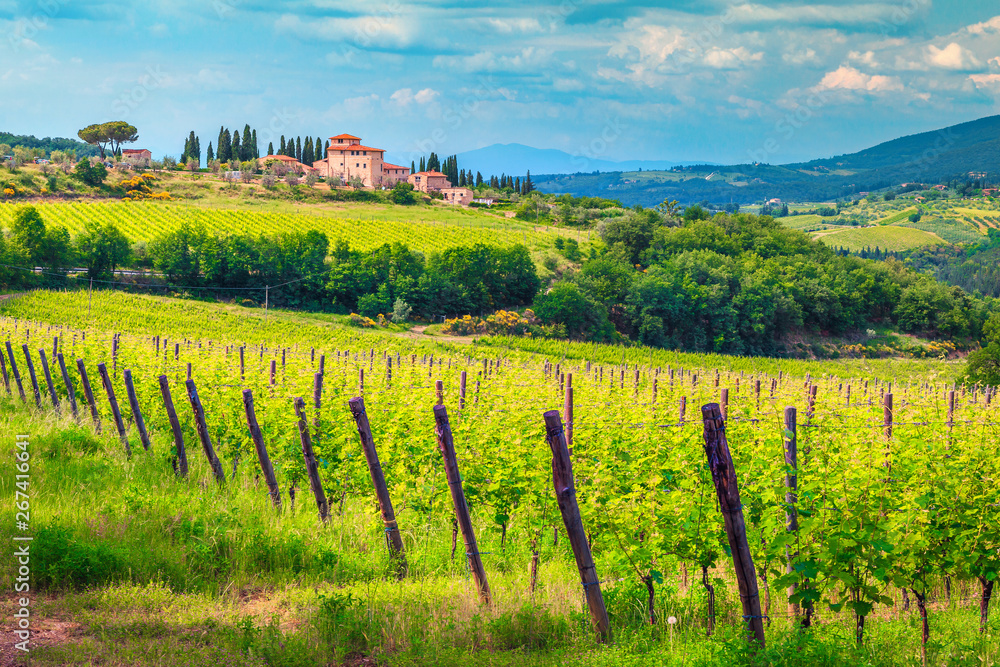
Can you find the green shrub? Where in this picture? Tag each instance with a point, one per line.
(60, 560)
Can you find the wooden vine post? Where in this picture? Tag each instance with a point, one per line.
(203, 435)
(562, 480)
(116, 413)
(133, 401)
(88, 394)
(446, 446)
(15, 373)
(720, 462)
(312, 468)
(31, 374)
(258, 443)
(3, 369)
(70, 390)
(48, 380)
(175, 427)
(791, 496)
(568, 411)
(395, 540)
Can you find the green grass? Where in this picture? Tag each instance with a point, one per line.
(886, 238)
(140, 569)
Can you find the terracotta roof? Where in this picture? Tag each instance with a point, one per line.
(430, 174)
(345, 136)
(126, 151)
(283, 158)
(355, 147)
(386, 165)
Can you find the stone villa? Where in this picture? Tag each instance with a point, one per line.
(347, 157)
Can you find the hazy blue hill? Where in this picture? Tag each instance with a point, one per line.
(928, 157)
(516, 159)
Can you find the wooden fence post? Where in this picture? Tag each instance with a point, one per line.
(6, 378)
(175, 426)
(31, 374)
(312, 468)
(203, 434)
(395, 540)
(461, 391)
(446, 446)
(568, 411)
(887, 424)
(115, 411)
(48, 380)
(89, 395)
(70, 390)
(720, 461)
(562, 479)
(439, 392)
(791, 495)
(258, 443)
(133, 402)
(317, 400)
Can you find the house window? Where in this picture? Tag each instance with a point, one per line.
(357, 164)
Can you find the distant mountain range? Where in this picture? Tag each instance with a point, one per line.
(953, 153)
(518, 159)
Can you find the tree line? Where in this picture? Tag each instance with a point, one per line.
(738, 284)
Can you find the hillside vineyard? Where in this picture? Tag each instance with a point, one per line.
(891, 498)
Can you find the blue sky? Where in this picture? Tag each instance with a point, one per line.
(685, 80)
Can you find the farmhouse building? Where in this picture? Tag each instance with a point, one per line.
(429, 181)
(289, 162)
(137, 154)
(460, 196)
(347, 158)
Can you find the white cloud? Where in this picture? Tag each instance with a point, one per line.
(804, 57)
(512, 25)
(989, 82)
(993, 25)
(731, 58)
(528, 59)
(848, 78)
(817, 14)
(404, 97)
(362, 32)
(954, 57)
(866, 58)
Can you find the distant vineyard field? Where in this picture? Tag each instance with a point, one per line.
(886, 238)
(363, 227)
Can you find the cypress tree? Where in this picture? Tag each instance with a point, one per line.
(256, 146)
(282, 150)
(187, 149)
(326, 147)
(298, 150)
(517, 184)
(317, 155)
(307, 152)
(226, 147)
(211, 154)
(270, 148)
(423, 164)
(528, 185)
(413, 167)
(236, 152)
(219, 143)
(246, 153)
(195, 149)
